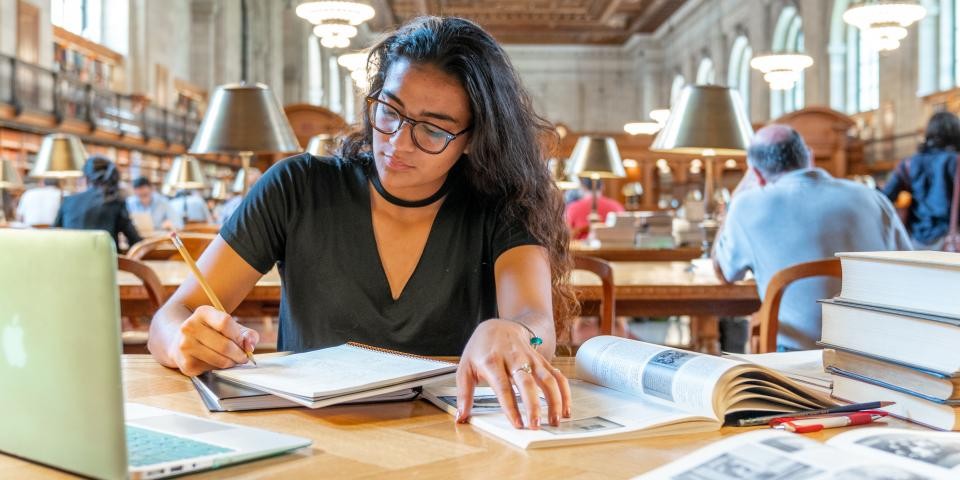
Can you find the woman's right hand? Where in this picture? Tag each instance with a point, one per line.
(210, 339)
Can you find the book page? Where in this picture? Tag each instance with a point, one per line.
(333, 371)
(678, 378)
(773, 454)
(598, 414)
(804, 366)
(933, 454)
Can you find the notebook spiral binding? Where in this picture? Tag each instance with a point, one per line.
(395, 352)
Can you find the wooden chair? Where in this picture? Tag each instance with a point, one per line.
(769, 315)
(201, 228)
(161, 247)
(135, 341)
(603, 270)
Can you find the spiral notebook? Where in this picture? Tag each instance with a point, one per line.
(345, 373)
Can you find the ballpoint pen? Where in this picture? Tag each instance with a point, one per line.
(188, 259)
(854, 407)
(815, 424)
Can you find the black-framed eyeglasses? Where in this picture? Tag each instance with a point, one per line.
(426, 136)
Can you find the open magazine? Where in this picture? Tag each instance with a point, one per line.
(869, 453)
(631, 389)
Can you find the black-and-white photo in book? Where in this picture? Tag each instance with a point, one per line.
(868, 453)
(631, 389)
(340, 374)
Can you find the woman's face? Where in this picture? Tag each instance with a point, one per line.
(425, 94)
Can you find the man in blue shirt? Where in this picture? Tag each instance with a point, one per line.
(786, 211)
(147, 201)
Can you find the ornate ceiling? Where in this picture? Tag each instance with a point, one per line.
(609, 22)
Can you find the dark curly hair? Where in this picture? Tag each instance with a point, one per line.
(508, 152)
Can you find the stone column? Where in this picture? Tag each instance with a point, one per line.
(202, 49)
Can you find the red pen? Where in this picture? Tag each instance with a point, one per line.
(815, 424)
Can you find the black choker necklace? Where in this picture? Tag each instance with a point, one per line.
(374, 177)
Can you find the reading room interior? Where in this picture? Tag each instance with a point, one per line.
(690, 239)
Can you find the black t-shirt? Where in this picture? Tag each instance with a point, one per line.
(311, 216)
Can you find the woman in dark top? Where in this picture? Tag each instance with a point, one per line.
(100, 207)
(437, 230)
(928, 176)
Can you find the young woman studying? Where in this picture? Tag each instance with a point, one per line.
(437, 230)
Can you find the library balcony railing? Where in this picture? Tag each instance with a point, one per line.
(29, 87)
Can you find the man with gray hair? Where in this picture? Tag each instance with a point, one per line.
(786, 211)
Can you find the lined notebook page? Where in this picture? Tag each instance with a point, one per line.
(335, 371)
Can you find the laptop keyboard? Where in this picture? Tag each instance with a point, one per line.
(147, 447)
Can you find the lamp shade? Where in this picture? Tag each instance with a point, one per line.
(61, 155)
(184, 174)
(9, 178)
(244, 118)
(219, 190)
(241, 181)
(596, 157)
(321, 145)
(706, 120)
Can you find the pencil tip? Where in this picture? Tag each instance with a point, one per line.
(886, 404)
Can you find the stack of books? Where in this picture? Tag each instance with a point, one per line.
(644, 229)
(892, 334)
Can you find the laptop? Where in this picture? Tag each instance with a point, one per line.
(62, 396)
(143, 222)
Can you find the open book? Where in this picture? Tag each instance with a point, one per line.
(631, 389)
(339, 374)
(864, 453)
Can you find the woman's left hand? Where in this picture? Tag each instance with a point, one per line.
(499, 353)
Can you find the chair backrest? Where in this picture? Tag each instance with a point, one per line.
(161, 247)
(603, 270)
(146, 275)
(201, 228)
(769, 314)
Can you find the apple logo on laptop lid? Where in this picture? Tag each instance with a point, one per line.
(12, 341)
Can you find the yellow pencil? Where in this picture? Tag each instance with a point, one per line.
(202, 281)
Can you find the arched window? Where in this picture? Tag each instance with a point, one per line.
(676, 87)
(83, 17)
(738, 74)
(314, 71)
(706, 74)
(335, 100)
(788, 37)
(854, 66)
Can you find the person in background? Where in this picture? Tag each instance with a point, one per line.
(928, 177)
(146, 200)
(253, 174)
(436, 230)
(578, 211)
(100, 207)
(191, 207)
(785, 211)
(39, 205)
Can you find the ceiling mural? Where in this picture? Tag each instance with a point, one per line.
(598, 22)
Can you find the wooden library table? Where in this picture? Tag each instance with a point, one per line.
(642, 289)
(396, 440)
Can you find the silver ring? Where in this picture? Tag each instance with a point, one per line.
(525, 368)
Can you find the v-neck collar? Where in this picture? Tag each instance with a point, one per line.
(371, 238)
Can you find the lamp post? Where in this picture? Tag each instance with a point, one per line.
(185, 174)
(707, 120)
(596, 158)
(244, 119)
(9, 180)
